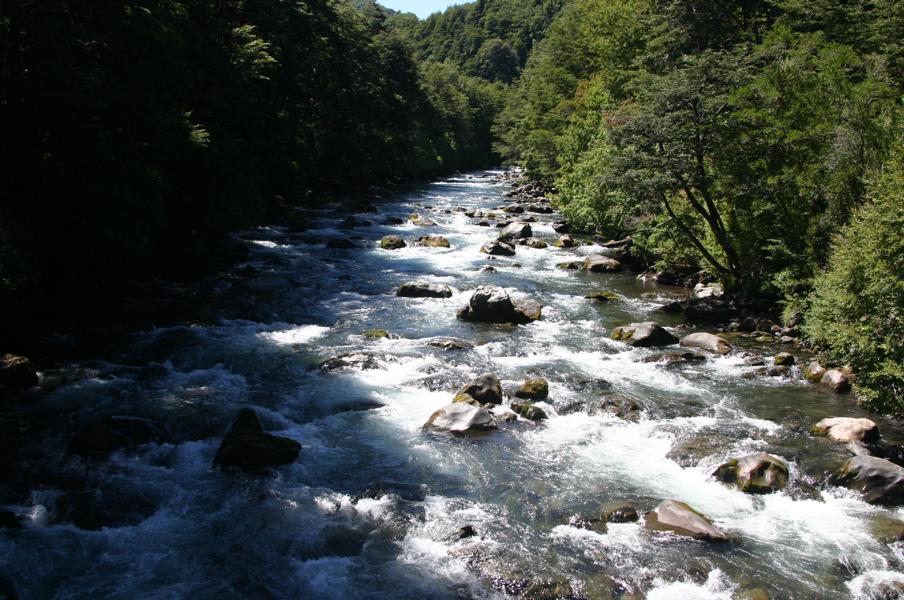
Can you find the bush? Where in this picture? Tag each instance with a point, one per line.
(856, 312)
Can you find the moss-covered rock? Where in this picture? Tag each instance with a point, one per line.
(392, 242)
(535, 388)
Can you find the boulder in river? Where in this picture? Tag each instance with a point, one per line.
(847, 429)
(561, 227)
(598, 263)
(416, 219)
(814, 372)
(837, 380)
(879, 481)
(566, 241)
(432, 241)
(783, 359)
(758, 473)
(516, 231)
(706, 341)
(644, 335)
(424, 290)
(116, 432)
(535, 388)
(543, 209)
(679, 518)
(535, 243)
(498, 248)
(17, 372)
(515, 209)
(620, 513)
(486, 389)
(528, 411)
(572, 265)
(377, 334)
(354, 360)
(247, 446)
(494, 305)
(461, 418)
(392, 242)
(603, 297)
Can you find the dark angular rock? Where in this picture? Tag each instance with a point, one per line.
(247, 446)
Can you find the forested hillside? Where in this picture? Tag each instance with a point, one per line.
(137, 132)
(741, 138)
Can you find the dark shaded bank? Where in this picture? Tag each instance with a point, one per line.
(137, 135)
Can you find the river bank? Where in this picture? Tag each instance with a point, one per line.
(308, 329)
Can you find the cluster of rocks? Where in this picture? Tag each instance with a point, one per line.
(396, 242)
(471, 409)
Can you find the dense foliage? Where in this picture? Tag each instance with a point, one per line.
(733, 136)
(136, 131)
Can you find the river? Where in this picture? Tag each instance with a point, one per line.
(372, 506)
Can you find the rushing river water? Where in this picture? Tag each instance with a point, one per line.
(371, 507)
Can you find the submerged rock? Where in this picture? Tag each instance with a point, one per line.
(486, 389)
(603, 297)
(878, 480)
(536, 388)
(706, 341)
(424, 290)
(620, 513)
(247, 446)
(679, 518)
(392, 242)
(433, 241)
(644, 335)
(354, 360)
(461, 418)
(498, 248)
(450, 343)
(528, 411)
(494, 305)
(115, 433)
(17, 372)
(601, 264)
(758, 473)
(847, 429)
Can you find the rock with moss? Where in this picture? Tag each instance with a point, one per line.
(603, 297)
(376, 334)
(644, 335)
(566, 241)
(535, 243)
(432, 241)
(392, 242)
(879, 481)
(572, 265)
(783, 359)
(486, 389)
(535, 388)
(679, 518)
(758, 473)
(528, 411)
(847, 429)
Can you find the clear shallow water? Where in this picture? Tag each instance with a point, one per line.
(370, 508)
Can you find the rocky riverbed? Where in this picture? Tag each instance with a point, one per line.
(442, 392)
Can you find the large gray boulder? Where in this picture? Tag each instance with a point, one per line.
(644, 335)
(516, 231)
(706, 341)
(758, 473)
(679, 518)
(247, 446)
(601, 264)
(494, 305)
(878, 480)
(424, 290)
(847, 429)
(486, 389)
(461, 418)
(498, 248)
